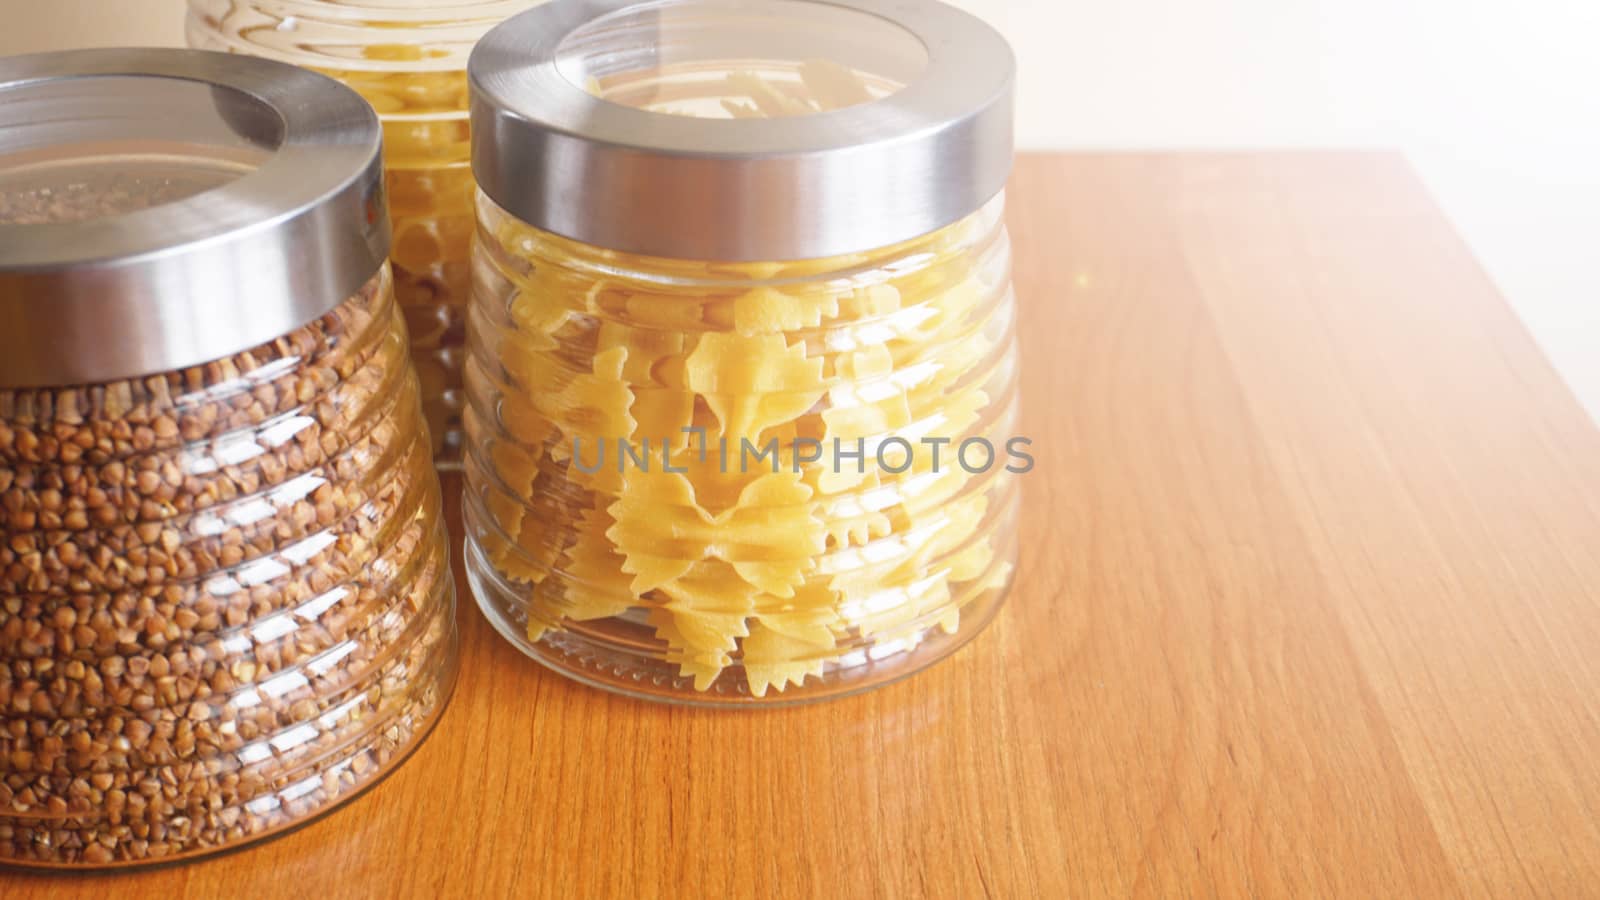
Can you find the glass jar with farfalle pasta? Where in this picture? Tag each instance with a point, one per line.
(741, 414)
(408, 58)
(225, 593)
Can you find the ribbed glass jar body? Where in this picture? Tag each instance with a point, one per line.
(408, 58)
(741, 483)
(225, 595)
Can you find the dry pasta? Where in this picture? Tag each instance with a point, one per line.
(427, 159)
(777, 574)
(762, 575)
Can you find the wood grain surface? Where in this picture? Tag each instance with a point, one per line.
(1309, 604)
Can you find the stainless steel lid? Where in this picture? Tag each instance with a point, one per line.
(163, 208)
(742, 129)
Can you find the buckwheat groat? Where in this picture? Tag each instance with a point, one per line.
(203, 652)
(226, 603)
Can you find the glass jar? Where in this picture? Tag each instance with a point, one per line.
(225, 596)
(740, 411)
(408, 58)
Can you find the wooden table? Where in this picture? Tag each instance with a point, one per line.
(1309, 601)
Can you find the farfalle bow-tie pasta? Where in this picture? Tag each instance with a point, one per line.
(745, 478)
(690, 451)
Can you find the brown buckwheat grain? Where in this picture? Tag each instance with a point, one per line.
(225, 600)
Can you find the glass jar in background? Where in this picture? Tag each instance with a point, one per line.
(225, 595)
(408, 58)
(728, 404)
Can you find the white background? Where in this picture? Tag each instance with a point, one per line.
(1496, 102)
